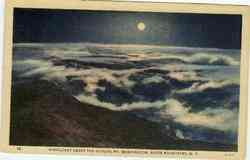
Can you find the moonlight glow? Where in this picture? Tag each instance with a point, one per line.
(141, 26)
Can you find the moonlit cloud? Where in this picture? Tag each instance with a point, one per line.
(179, 134)
(199, 87)
(124, 107)
(220, 119)
(184, 76)
(205, 58)
(90, 76)
(154, 79)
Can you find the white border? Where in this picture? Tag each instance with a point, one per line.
(4, 156)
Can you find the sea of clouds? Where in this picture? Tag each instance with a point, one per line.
(149, 81)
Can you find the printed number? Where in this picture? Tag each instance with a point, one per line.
(229, 154)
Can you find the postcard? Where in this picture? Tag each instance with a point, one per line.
(137, 79)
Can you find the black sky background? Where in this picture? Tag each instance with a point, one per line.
(174, 29)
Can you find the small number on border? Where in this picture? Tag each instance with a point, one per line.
(229, 154)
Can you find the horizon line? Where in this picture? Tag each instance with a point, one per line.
(128, 44)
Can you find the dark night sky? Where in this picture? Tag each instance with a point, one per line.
(195, 30)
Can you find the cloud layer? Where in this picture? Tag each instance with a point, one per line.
(139, 79)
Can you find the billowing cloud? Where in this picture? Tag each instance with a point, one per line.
(220, 119)
(205, 58)
(179, 134)
(154, 79)
(124, 107)
(199, 87)
(184, 76)
(90, 76)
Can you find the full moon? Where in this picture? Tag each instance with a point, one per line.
(141, 26)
